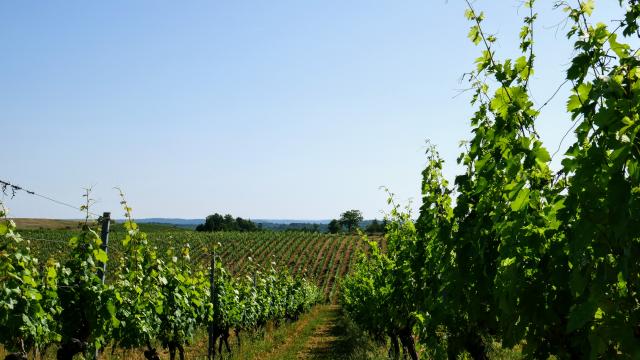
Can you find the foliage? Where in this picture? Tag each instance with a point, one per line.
(600, 216)
(138, 288)
(380, 294)
(334, 226)
(376, 227)
(88, 305)
(351, 219)
(526, 257)
(217, 222)
(184, 293)
(27, 296)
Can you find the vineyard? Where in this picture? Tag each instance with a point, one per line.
(322, 258)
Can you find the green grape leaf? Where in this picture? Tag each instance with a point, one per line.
(100, 255)
(580, 315)
(521, 200)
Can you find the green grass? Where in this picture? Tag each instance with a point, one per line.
(284, 342)
(325, 335)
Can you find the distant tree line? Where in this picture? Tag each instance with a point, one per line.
(376, 227)
(217, 222)
(351, 220)
(303, 227)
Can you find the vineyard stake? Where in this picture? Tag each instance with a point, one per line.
(212, 344)
(104, 235)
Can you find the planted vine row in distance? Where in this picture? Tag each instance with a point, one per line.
(321, 258)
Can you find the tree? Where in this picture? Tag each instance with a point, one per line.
(229, 223)
(245, 225)
(217, 222)
(377, 227)
(351, 219)
(212, 223)
(334, 226)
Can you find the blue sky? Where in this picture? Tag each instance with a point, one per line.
(263, 109)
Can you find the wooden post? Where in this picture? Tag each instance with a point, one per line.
(212, 343)
(104, 235)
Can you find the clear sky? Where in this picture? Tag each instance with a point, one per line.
(263, 109)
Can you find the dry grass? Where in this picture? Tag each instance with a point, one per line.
(47, 224)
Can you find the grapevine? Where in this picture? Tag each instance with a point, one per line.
(526, 257)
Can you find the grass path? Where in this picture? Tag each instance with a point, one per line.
(324, 342)
(320, 335)
(297, 338)
(308, 338)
